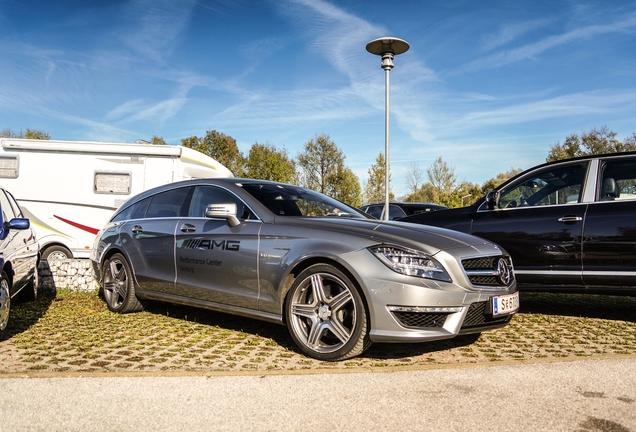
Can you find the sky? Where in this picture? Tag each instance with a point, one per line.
(487, 86)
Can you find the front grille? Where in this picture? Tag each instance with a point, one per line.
(488, 271)
(421, 319)
(478, 315)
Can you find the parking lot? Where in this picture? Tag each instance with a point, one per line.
(71, 333)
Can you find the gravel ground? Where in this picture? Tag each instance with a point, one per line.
(74, 333)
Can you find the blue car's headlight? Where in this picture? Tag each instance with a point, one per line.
(410, 263)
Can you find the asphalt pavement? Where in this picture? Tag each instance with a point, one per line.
(581, 395)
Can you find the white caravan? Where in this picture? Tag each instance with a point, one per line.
(70, 189)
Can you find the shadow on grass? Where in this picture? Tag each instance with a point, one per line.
(619, 308)
(25, 314)
(280, 334)
(277, 333)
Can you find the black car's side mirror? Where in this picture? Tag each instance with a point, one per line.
(492, 200)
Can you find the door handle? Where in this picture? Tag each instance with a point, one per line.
(188, 228)
(137, 229)
(570, 219)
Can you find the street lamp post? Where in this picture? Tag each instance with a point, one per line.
(388, 48)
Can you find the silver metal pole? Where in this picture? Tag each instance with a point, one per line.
(386, 144)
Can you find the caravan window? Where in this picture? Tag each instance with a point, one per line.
(112, 183)
(9, 166)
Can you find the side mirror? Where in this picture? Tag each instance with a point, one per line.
(18, 224)
(492, 199)
(225, 211)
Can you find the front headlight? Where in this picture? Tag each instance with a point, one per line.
(410, 263)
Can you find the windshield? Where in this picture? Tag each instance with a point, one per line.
(287, 200)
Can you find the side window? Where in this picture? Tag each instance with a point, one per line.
(135, 211)
(14, 205)
(7, 211)
(617, 180)
(395, 212)
(205, 195)
(375, 211)
(170, 203)
(552, 186)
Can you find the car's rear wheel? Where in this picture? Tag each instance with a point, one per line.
(5, 304)
(326, 315)
(118, 286)
(30, 291)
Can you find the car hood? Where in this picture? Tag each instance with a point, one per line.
(424, 238)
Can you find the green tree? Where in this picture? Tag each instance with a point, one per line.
(346, 186)
(157, 140)
(491, 184)
(596, 141)
(443, 179)
(266, 162)
(221, 147)
(374, 187)
(29, 134)
(322, 168)
(424, 193)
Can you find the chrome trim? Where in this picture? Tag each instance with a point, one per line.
(591, 182)
(443, 309)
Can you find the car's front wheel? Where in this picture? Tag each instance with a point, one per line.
(326, 315)
(5, 304)
(118, 286)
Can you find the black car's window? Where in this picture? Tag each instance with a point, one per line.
(375, 211)
(171, 203)
(551, 186)
(205, 195)
(618, 180)
(135, 211)
(396, 212)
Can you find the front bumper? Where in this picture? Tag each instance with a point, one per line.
(412, 309)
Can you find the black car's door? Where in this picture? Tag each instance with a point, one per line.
(609, 246)
(539, 221)
(214, 261)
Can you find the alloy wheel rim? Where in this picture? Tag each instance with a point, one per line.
(323, 313)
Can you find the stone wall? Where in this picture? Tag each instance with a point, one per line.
(71, 274)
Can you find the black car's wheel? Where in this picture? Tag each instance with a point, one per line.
(326, 315)
(118, 286)
(5, 304)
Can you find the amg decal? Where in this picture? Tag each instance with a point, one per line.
(228, 245)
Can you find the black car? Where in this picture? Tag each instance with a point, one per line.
(569, 225)
(400, 209)
(19, 256)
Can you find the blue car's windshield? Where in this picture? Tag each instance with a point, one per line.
(286, 200)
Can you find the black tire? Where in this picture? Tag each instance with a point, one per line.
(30, 291)
(118, 286)
(326, 315)
(5, 305)
(56, 252)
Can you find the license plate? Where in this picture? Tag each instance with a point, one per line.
(506, 304)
